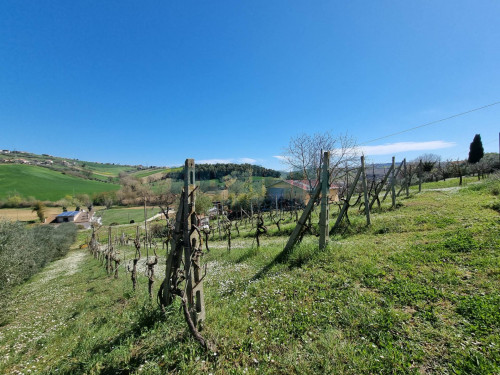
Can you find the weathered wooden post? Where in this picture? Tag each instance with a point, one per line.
(294, 237)
(407, 181)
(218, 219)
(365, 190)
(187, 244)
(108, 253)
(145, 226)
(192, 269)
(420, 176)
(393, 182)
(324, 214)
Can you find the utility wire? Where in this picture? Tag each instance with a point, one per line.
(431, 123)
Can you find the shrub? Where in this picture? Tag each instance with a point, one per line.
(24, 251)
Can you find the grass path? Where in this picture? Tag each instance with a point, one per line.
(39, 312)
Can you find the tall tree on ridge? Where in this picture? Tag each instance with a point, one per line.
(476, 151)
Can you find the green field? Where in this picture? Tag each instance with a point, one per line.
(149, 172)
(45, 184)
(417, 292)
(110, 170)
(450, 182)
(124, 215)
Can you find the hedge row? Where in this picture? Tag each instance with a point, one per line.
(25, 250)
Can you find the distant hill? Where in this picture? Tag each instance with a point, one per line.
(110, 172)
(79, 168)
(45, 184)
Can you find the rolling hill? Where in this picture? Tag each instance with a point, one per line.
(45, 184)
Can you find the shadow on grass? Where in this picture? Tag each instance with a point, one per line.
(247, 255)
(296, 257)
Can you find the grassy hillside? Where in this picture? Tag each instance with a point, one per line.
(149, 172)
(417, 292)
(45, 184)
(86, 169)
(112, 170)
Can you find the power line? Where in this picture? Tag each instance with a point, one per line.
(431, 123)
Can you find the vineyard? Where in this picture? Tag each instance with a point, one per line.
(414, 291)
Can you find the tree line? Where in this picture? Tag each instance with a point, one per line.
(218, 171)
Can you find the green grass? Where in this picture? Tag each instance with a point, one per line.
(108, 170)
(149, 172)
(124, 215)
(45, 184)
(450, 182)
(417, 292)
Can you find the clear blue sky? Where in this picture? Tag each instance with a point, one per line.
(153, 83)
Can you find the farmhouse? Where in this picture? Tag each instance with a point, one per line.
(297, 190)
(69, 216)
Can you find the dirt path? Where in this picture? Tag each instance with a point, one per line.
(452, 189)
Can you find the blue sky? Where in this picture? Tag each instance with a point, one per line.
(156, 82)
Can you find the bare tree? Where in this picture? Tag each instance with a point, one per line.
(304, 154)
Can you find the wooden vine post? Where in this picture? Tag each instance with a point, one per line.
(420, 176)
(392, 187)
(294, 237)
(192, 247)
(407, 180)
(109, 267)
(186, 245)
(324, 214)
(393, 183)
(365, 190)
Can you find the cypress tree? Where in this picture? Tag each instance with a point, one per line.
(476, 151)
